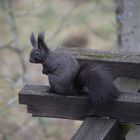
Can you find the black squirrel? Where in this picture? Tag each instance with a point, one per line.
(67, 77)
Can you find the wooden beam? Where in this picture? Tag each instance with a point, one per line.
(98, 129)
(119, 63)
(92, 54)
(42, 104)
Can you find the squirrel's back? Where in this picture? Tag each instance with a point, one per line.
(64, 63)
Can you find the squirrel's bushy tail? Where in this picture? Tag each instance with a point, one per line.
(98, 82)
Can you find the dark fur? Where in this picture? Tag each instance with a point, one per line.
(67, 77)
(99, 83)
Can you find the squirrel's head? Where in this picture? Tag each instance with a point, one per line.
(40, 50)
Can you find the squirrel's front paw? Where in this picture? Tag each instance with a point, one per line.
(43, 71)
(50, 90)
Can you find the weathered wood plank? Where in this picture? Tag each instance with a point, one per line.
(119, 63)
(40, 103)
(98, 129)
(92, 54)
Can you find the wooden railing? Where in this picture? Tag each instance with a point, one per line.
(108, 123)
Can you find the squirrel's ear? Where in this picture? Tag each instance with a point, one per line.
(41, 42)
(33, 40)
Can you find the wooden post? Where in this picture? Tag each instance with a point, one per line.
(128, 18)
(98, 129)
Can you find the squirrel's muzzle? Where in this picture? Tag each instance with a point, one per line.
(31, 60)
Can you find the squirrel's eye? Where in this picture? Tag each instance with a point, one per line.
(37, 53)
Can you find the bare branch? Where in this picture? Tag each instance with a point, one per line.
(7, 45)
(43, 128)
(35, 11)
(12, 25)
(63, 20)
(10, 47)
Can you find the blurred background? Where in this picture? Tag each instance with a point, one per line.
(67, 23)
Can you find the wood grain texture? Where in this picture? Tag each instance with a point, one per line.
(92, 54)
(98, 129)
(40, 103)
(119, 63)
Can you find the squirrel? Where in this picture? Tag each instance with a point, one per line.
(67, 77)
